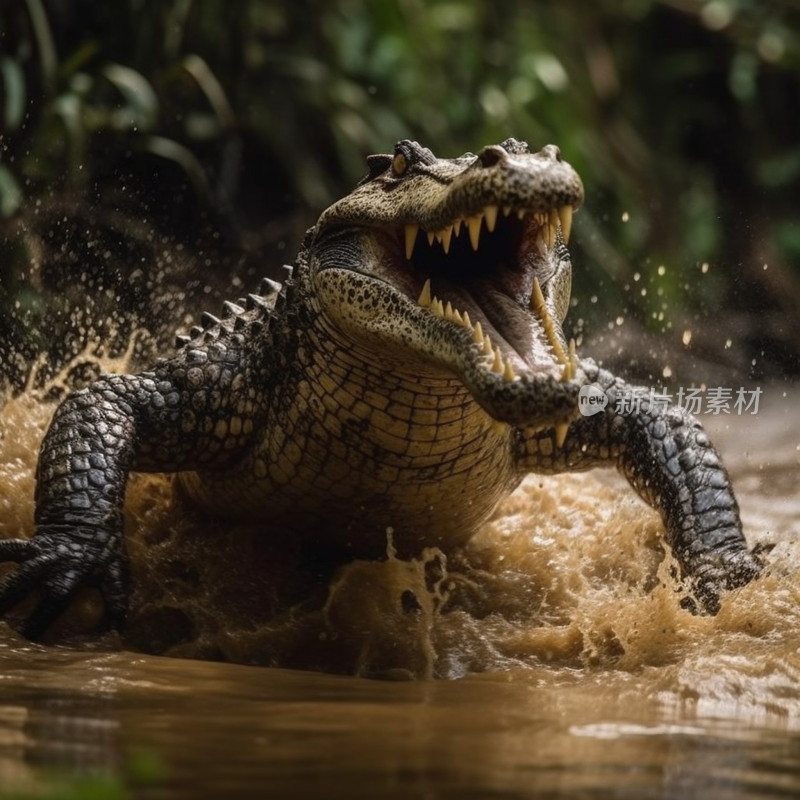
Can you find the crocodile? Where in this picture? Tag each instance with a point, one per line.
(409, 371)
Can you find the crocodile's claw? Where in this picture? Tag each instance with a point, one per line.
(56, 565)
(734, 570)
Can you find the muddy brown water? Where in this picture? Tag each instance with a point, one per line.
(551, 659)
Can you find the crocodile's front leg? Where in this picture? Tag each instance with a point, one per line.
(668, 458)
(177, 417)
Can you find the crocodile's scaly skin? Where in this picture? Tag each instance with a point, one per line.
(407, 374)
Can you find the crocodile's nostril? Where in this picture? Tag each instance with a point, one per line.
(552, 151)
(491, 155)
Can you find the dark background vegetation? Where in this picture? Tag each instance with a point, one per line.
(157, 156)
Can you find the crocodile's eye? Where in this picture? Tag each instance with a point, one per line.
(399, 164)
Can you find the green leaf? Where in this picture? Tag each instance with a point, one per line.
(14, 93)
(141, 100)
(48, 59)
(10, 193)
(211, 88)
(171, 150)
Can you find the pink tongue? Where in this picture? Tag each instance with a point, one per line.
(517, 331)
(520, 329)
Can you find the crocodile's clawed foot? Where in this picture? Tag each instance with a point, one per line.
(762, 549)
(709, 583)
(55, 567)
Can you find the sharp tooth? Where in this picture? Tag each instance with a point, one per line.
(497, 364)
(439, 308)
(538, 305)
(446, 234)
(458, 318)
(561, 433)
(474, 224)
(550, 330)
(411, 238)
(448, 311)
(573, 360)
(506, 210)
(424, 298)
(431, 236)
(457, 226)
(477, 333)
(488, 348)
(537, 298)
(491, 217)
(508, 372)
(467, 321)
(565, 215)
(552, 228)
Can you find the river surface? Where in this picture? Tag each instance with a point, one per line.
(551, 659)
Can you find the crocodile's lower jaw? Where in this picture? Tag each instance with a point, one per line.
(429, 336)
(536, 328)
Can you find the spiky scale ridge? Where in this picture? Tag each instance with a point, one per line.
(231, 310)
(269, 287)
(253, 301)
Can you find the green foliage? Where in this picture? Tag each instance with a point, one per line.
(144, 769)
(92, 788)
(679, 114)
(68, 121)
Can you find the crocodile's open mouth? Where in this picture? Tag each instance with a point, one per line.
(485, 273)
(461, 263)
(478, 295)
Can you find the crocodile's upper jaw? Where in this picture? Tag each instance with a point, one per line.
(461, 261)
